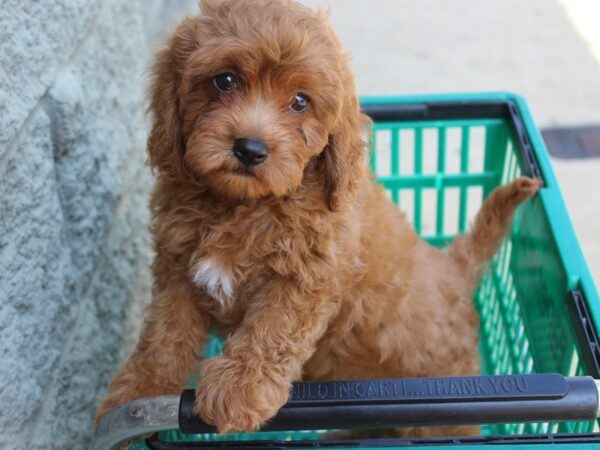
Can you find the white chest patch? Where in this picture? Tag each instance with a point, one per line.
(218, 283)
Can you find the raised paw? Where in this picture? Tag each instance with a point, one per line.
(522, 188)
(237, 398)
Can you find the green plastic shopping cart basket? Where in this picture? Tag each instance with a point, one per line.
(438, 157)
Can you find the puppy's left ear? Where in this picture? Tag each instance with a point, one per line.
(165, 142)
(344, 155)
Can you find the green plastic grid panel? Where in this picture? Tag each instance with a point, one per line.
(525, 326)
(414, 180)
(509, 299)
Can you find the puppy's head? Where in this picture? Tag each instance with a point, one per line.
(250, 94)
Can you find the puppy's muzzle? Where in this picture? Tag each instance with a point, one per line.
(250, 151)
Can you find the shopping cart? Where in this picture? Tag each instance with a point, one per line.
(438, 157)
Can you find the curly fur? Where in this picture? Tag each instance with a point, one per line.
(301, 263)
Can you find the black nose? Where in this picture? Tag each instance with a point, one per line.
(250, 151)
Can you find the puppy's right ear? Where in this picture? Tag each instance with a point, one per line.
(165, 142)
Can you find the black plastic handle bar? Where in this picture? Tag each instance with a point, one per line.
(424, 402)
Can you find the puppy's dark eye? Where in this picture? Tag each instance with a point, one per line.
(225, 82)
(300, 103)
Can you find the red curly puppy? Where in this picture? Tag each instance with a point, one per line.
(269, 227)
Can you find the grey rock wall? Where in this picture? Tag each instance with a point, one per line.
(74, 245)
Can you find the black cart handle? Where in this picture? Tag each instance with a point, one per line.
(423, 402)
(378, 403)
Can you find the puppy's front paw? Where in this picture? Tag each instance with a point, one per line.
(236, 398)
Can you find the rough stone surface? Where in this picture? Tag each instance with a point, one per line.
(74, 241)
(35, 283)
(38, 38)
